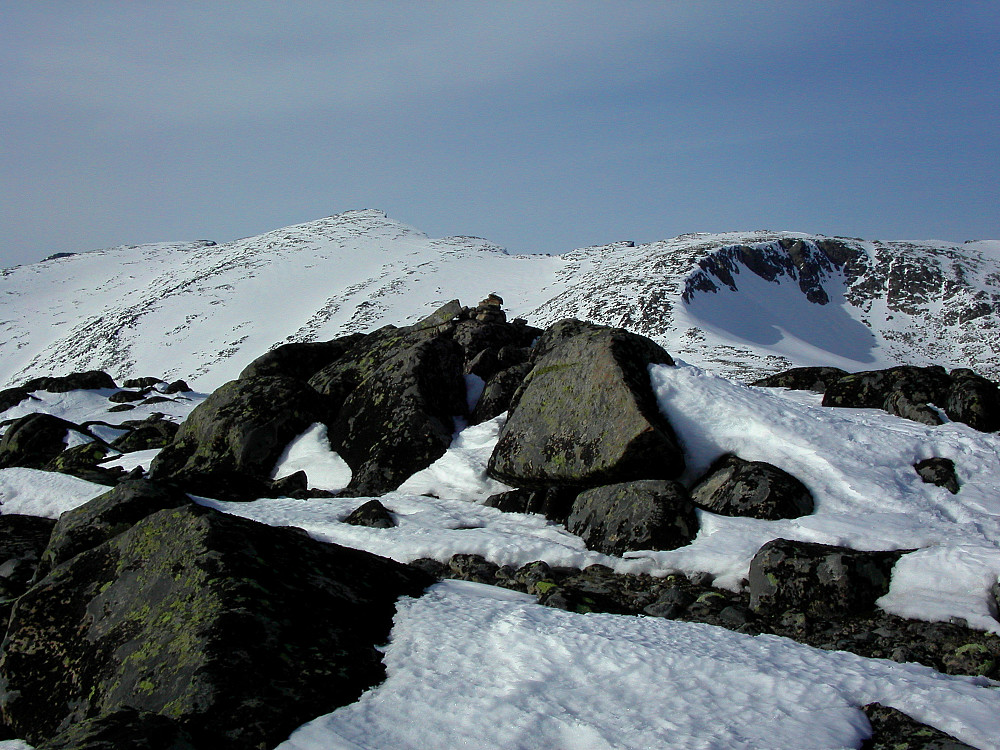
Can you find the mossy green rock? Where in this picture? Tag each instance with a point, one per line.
(229, 444)
(237, 631)
(586, 414)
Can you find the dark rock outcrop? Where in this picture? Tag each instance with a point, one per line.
(973, 400)
(229, 444)
(756, 489)
(77, 381)
(802, 379)
(300, 360)
(648, 514)
(499, 392)
(35, 439)
(871, 389)
(83, 461)
(586, 414)
(127, 728)
(894, 730)
(146, 434)
(23, 539)
(127, 397)
(818, 580)
(236, 631)
(372, 514)
(555, 503)
(140, 383)
(939, 471)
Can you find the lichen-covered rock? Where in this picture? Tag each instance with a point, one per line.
(871, 389)
(145, 434)
(973, 400)
(22, 541)
(127, 728)
(229, 444)
(894, 730)
(586, 414)
(802, 379)
(939, 471)
(300, 360)
(83, 461)
(648, 514)
(77, 381)
(899, 404)
(36, 439)
(107, 516)
(755, 489)
(819, 580)
(237, 631)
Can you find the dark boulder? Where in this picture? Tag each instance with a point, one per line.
(819, 580)
(126, 397)
(127, 728)
(145, 434)
(802, 379)
(35, 439)
(648, 514)
(499, 392)
(11, 397)
(140, 383)
(23, 539)
(940, 472)
(555, 503)
(236, 631)
(107, 516)
(83, 461)
(300, 360)
(177, 386)
(973, 400)
(586, 414)
(871, 389)
(900, 405)
(229, 444)
(372, 514)
(397, 417)
(77, 381)
(734, 487)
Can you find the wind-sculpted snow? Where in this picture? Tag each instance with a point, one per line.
(740, 304)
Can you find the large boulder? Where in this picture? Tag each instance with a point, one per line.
(145, 434)
(586, 414)
(499, 392)
(755, 489)
(36, 439)
(77, 381)
(236, 631)
(802, 378)
(818, 580)
(871, 389)
(940, 472)
(105, 517)
(973, 400)
(647, 514)
(83, 461)
(300, 360)
(229, 444)
(555, 503)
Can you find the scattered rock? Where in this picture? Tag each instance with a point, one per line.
(647, 514)
(145, 435)
(206, 619)
(177, 386)
(372, 514)
(586, 414)
(126, 397)
(802, 379)
(755, 489)
(83, 461)
(939, 471)
(819, 580)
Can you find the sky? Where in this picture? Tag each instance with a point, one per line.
(540, 126)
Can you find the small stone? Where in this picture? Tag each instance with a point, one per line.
(372, 514)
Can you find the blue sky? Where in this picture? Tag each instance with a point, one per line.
(542, 126)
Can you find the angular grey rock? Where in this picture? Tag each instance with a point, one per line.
(754, 489)
(206, 619)
(586, 414)
(819, 580)
(647, 514)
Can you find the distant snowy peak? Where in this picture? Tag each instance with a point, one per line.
(740, 304)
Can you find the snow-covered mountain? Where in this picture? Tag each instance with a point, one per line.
(739, 304)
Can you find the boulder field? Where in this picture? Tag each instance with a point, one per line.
(143, 619)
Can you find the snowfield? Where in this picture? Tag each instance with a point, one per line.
(474, 666)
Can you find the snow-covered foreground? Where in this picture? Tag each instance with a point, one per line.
(473, 666)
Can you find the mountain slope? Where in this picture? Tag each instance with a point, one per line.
(741, 304)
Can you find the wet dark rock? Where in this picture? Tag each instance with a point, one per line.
(802, 379)
(973, 400)
(23, 539)
(819, 580)
(107, 516)
(372, 514)
(126, 728)
(940, 472)
(586, 414)
(894, 730)
(555, 503)
(648, 514)
(755, 489)
(300, 360)
(206, 619)
(35, 439)
(77, 381)
(229, 444)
